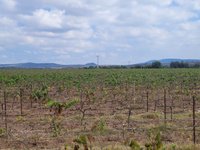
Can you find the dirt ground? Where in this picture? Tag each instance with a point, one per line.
(105, 119)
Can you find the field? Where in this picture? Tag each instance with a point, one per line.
(100, 109)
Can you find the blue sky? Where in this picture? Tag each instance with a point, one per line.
(119, 31)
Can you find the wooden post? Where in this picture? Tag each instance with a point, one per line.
(194, 120)
(5, 111)
(13, 101)
(165, 106)
(131, 105)
(123, 133)
(156, 101)
(21, 100)
(147, 101)
(155, 105)
(182, 97)
(2, 111)
(172, 105)
(171, 111)
(31, 100)
(129, 116)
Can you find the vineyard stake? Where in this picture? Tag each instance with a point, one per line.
(165, 108)
(172, 105)
(156, 100)
(5, 111)
(129, 116)
(155, 106)
(21, 102)
(31, 101)
(131, 107)
(171, 111)
(194, 120)
(2, 111)
(147, 101)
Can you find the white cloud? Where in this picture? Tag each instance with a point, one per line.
(52, 19)
(156, 2)
(6, 22)
(45, 19)
(9, 5)
(113, 28)
(192, 4)
(191, 26)
(78, 34)
(65, 3)
(76, 22)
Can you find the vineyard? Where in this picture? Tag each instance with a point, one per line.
(100, 109)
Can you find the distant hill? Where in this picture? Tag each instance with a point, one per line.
(31, 65)
(169, 60)
(166, 62)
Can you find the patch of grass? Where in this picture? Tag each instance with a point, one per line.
(100, 127)
(119, 117)
(150, 116)
(114, 147)
(20, 119)
(134, 145)
(56, 127)
(188, 147)
(154, 140)
(2, 132)
(182, 115)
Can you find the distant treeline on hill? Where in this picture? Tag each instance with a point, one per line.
(156, 64)
(176, 64)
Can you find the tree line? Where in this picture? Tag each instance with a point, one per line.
(176, 64)
(155, 64)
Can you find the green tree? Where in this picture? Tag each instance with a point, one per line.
(177, 64)
(156, 64)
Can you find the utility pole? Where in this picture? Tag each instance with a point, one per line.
(97, 61)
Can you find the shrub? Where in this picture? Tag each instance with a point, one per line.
(155, 142)
(99, 127)
(134, 145)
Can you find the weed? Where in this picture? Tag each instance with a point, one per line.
(66, 147)
(20, 119)
(154, 138)
(173, 147)
(56, 127)
(82, 140)
(99, 127)
(134, 145)
(2, 132)
(150, 116)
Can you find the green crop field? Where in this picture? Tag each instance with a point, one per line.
(152, 77)
(99, 108)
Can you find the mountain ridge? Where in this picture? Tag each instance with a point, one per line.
(31, 65)
(169, 60)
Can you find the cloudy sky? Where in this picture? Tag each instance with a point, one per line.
(119, 31)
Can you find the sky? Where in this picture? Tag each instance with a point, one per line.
(118, 31)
